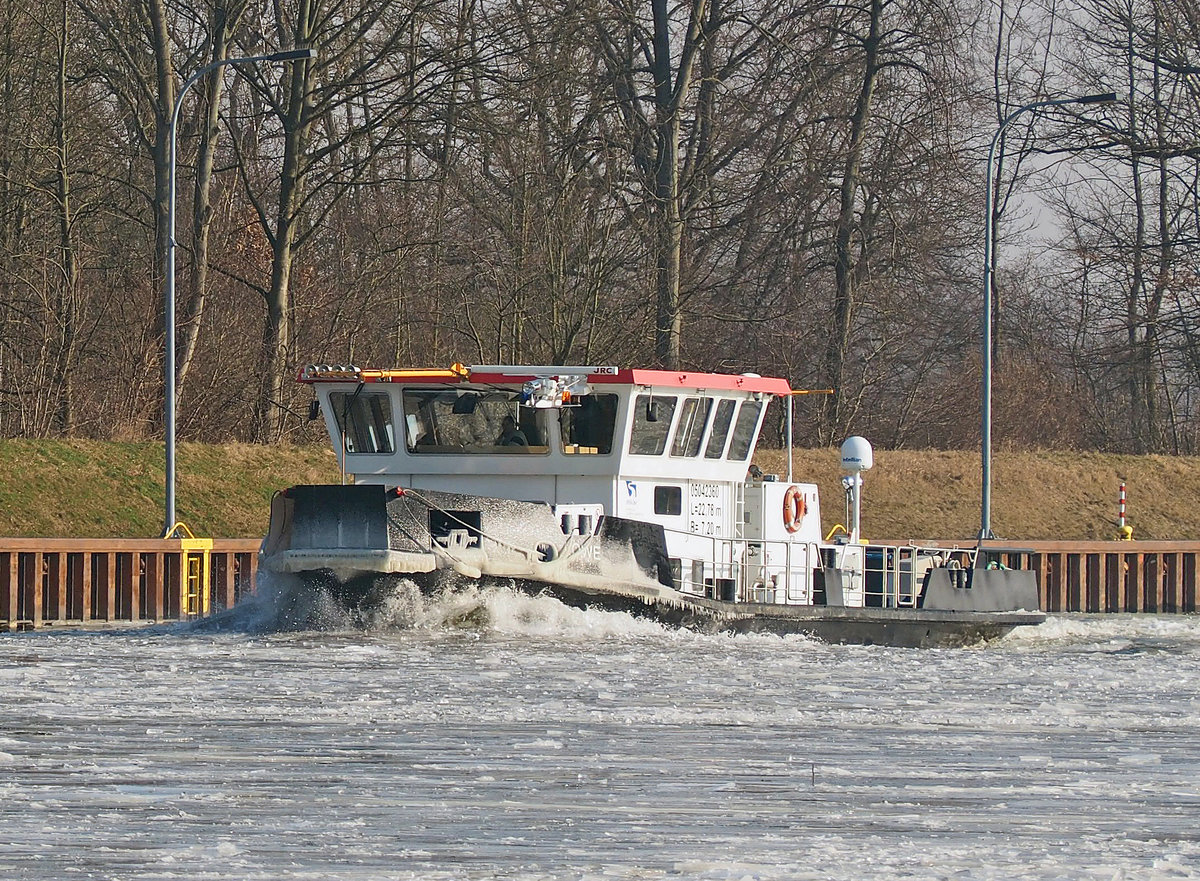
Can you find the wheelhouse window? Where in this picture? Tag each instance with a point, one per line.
(743, 430)
(589, 427)
(364, 420)
(668, 500)
(693, 417)
(720, 430)
(652, 417)
(462, 421)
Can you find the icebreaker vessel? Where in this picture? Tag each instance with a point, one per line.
(620, 487)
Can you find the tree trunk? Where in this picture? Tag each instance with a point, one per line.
(1140, 382)
(277, 331)
(164, 104)
(276, 341)
(67, 305)
(833, 411)
(1155, 435)
(670, 93)
(225, 17)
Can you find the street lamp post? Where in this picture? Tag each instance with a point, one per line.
(985, 521)
(170, 522)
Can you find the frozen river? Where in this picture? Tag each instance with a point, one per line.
(509, 737)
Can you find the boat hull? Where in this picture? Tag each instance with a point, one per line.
(904, 628)
(351, 544)
(305, 603)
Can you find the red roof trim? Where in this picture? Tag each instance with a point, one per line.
(723, 381)
(656, 378)
(608, 376)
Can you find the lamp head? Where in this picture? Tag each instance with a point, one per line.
(292, 55)
(1103, 98)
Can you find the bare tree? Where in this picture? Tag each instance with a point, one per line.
(326, 142)
(652, 67)
(912, 49)
(224, 20)
(41, 265)
(1139, 214)
(1025, 35)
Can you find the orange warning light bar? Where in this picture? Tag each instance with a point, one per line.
(350, 373)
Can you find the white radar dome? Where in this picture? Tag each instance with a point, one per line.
(857, 454)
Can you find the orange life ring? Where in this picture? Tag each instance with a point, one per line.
(794, 508)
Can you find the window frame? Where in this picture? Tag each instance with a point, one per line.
(688, 439)
(610, 406)
(752, 430)
(367, 421)
(426, 409)
(730, 405)
(668, 402)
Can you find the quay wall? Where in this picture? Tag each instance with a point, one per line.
(1109, 576)
(123, 582)
(105, 582)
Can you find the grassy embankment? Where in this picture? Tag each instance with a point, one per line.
(84, 488)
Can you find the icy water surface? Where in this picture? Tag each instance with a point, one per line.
(499, 736)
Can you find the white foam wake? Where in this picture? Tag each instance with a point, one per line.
(1109, 631)
(284, 603)
(462, 605)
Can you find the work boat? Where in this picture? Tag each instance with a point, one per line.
(612, 487)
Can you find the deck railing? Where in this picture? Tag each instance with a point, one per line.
(107, 582)
(1072, 576)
